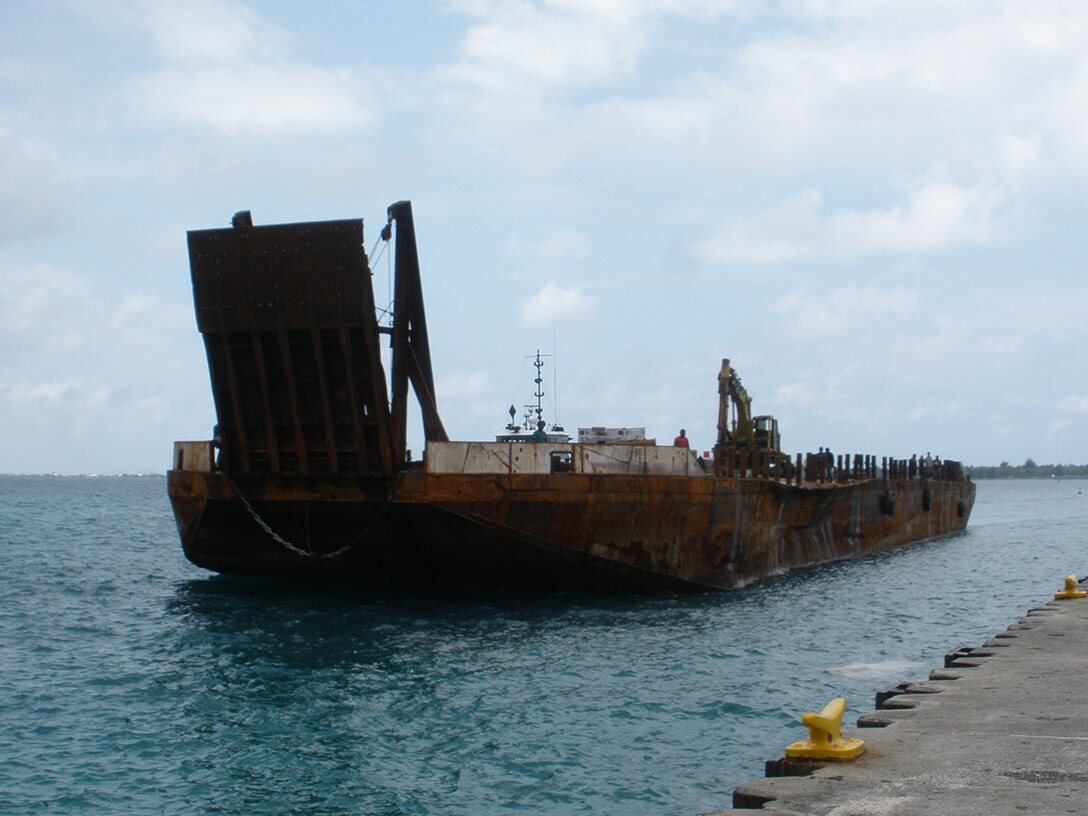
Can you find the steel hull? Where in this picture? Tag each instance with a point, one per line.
(550, 532)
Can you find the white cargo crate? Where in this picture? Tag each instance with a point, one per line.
(599, 434)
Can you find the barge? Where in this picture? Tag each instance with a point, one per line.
(308, 474)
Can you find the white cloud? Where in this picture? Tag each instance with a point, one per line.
(522, 46)
(257, 97)
(561, 245)
(1022, 159)
(933, 413)
(197, 31)
(555, 301)
(1070, 412)
(852, 90)
(87, 368)
(843, 312)
(525, 45)
(30, 297)
(1074, 404)
(226, 67)
(206, 30)
(56, 315)
(34, 198)
(70, 391)
(464, 385)
(936, 216)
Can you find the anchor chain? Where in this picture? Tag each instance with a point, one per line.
(306, 553)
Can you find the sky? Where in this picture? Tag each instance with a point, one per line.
(875, 210)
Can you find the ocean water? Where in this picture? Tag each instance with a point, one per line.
(133, 682)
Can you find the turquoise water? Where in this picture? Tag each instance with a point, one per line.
(133, 682)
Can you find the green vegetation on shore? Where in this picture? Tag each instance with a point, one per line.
(1028, 470)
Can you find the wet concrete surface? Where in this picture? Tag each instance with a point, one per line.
(1001, 729)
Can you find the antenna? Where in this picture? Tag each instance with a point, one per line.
(555, 369)
(539, 364)
(538, 409)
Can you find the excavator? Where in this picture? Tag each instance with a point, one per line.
(747, 431)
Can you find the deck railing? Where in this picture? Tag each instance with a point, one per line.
(819, 468)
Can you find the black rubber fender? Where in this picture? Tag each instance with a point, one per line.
(887, 504)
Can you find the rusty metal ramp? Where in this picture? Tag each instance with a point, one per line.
(289, 326)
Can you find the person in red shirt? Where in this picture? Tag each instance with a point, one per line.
(682, 440)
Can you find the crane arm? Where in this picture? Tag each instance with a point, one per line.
(732, 392)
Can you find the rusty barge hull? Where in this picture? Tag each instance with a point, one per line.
(541, 532)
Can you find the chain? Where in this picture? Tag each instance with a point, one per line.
(306, 553)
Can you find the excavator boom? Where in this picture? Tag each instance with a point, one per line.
(744, 432)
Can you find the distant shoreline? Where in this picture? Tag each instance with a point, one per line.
(1048, 478)
(1027, 471)
(151, 475)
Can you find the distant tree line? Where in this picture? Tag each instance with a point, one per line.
(1028, 470)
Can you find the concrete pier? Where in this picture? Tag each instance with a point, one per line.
(1002, 729)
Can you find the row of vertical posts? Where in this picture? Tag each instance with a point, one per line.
(917, 468)
(843, 468)
(758, 463)
(812, 467)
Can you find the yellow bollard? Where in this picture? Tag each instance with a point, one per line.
(825, 740)
(1070, 590)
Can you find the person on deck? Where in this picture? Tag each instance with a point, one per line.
(682, 440)
(540, 435)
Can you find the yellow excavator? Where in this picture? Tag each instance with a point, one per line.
(746, 431)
